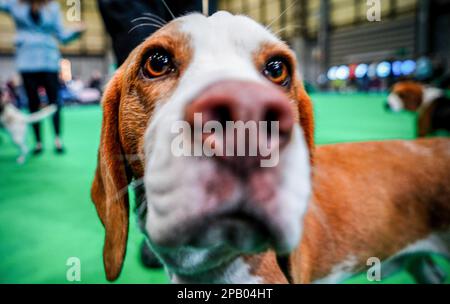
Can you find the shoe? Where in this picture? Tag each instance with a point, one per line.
(37, 150)
(60, 150)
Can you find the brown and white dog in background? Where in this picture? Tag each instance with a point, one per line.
(225, 220)
(430, 103)
(16, 123)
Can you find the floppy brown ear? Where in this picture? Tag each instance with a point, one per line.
(109, 190)
(306, 117)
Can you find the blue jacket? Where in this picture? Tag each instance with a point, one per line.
(37, 44)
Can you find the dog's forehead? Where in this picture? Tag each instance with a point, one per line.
(224, 32)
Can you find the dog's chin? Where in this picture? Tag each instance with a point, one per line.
(211, 242)
(237, 230)
(248, 217)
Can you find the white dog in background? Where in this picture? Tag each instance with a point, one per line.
(16, 123)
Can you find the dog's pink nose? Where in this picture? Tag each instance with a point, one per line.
(248, 113)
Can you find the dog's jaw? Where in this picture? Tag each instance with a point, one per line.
(175, 186)
(169, 213)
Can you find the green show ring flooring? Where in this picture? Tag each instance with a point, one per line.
(46, 215)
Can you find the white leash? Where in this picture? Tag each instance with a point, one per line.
(205, 7)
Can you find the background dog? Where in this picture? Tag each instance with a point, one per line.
(430, 103)
(16, 123)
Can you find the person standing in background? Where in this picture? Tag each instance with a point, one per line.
(39, 29)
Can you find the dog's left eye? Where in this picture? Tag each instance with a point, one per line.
(158, 63)
(277, 71)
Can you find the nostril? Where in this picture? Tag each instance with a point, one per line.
(277, 115)
(271, 115)
(243, 104)
(210, 109)
(220, 113)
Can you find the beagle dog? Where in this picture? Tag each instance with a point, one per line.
(226, 219)
(430, 103)
(16, 123)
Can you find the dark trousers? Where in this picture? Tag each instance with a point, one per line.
(32, 81)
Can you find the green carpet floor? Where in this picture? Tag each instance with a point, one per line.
(46, 215)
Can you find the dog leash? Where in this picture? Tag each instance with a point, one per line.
(205, 7)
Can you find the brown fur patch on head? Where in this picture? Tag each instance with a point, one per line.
(128, 103)
(302, 107)
(411, 94)
(141, 95)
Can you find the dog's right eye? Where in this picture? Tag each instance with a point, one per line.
(157, 64)
(277, 71)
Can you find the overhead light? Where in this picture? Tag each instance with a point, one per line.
(331, 75)
(342, 72)
(361, 70)
(397, 68)
(408, 67)
(383, 69)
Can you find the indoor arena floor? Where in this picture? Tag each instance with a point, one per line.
(46, 215)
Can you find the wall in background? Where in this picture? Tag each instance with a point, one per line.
(352, 37)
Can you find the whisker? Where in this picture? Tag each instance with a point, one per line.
(137, 182)
(294, 26)
(165, 4)
(145, 24)
(156, 16)
(148, 19)
(282, 13)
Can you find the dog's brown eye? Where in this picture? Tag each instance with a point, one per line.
(158, 64)
(277, 71)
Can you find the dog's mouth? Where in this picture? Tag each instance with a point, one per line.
(222, 210)
(239, 230)
(234, 213)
